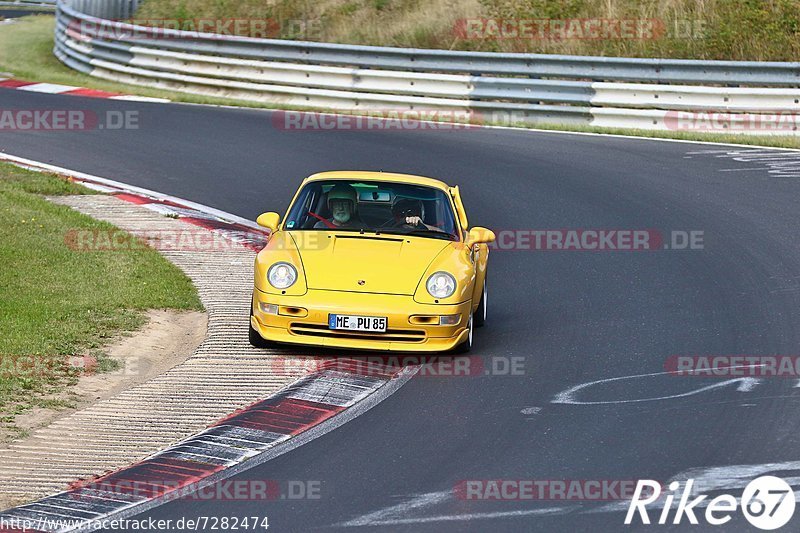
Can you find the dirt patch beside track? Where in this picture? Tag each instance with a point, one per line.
(168, 339)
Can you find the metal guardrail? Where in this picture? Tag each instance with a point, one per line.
(38, 4)
(642, 93)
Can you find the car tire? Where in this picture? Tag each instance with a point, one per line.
(256, 340)
(466, 346)
(481, 311)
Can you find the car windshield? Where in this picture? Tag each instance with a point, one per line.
(371, 206)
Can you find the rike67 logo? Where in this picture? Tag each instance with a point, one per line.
(767, 503)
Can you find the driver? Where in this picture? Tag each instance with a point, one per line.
(343, 205)
(408, 214)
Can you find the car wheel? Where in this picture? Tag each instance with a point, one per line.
(480, 313)
(466, 346)
(256, 340)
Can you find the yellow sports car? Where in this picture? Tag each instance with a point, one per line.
(371, 261)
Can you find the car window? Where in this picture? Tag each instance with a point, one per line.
(382, 207)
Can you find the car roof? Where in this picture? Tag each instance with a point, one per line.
(360, 175)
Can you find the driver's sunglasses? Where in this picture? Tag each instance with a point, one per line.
(408, 213)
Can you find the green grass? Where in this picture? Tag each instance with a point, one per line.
(57, 302)
(26, 51)
(757, 30)
(776, 141)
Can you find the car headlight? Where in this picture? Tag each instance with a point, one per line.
(282, 275)
(441, 285)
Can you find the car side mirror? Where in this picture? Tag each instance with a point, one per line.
(479, 235)
(270, 220)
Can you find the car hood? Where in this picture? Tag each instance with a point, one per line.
(386, 264)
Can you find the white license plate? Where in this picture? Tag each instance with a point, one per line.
(357, 323)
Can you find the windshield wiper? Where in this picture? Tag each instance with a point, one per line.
(417, 232)
(433, 233)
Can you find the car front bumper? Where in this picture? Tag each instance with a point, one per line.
(304, 320)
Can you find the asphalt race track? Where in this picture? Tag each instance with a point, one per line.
(566, 317)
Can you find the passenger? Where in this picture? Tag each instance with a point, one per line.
(408, 214)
